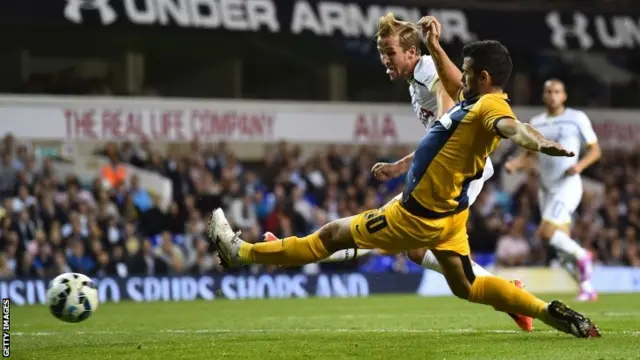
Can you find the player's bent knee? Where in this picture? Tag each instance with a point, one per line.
(458, 271)
(461, 290)
(416, 255)
(336, 235)
(547, 229)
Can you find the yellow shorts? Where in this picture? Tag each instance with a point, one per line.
(392, 229)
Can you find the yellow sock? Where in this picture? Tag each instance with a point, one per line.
(291, 251)
(506, 297)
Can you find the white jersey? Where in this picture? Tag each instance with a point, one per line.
(571, 129)
(425, 105)
(423, 99)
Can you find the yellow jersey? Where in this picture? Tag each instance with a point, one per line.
(452, 154)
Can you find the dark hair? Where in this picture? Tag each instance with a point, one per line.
(492, 56)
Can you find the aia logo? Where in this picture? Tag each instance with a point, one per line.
(427, 116)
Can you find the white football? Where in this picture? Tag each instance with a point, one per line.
(72, 297)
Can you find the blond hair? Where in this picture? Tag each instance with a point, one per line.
(408, 33)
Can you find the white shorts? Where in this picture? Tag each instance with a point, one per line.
(475, 187)
(558, 203)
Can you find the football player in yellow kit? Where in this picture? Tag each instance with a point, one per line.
(433, 210)
(398, 44)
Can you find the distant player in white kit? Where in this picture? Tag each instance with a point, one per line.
(560, 185)
(399, 48)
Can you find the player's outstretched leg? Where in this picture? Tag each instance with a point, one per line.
(504, 296)
(428, 260)
(573, 252)
(291, 251)
(338, 256)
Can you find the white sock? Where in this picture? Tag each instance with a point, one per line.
(479, 270)
(586, 286)
(563, 243)
(346, 254)
(570, 265)
(430, 262)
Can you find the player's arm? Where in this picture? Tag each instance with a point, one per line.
(385, 171)
(527, 137)
(404, 163)
(427, 74)
(496, 115)
(445, 102)
(593, 152)
(591, 157)
(523, 161)
(449, 74)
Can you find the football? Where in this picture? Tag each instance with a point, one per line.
(72, 297)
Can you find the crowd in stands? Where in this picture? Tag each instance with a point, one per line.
(50, 224)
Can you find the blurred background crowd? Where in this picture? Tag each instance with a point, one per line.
(51, 224)
(53, 221)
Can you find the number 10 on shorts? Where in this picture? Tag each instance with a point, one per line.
(375, 222)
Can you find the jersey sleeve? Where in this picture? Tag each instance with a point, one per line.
(426, 73)
(586, 129)
(493, 108)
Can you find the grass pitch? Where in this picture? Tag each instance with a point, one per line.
(382, 327)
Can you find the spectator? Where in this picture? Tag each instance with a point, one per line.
(209, 194)
(103, 267)
(112, 234)
(141, 198)
(22, 157)
(177, 219)
(203, 262)
(170, 254)
(39, 241)
(114, 173)
(25, 227)
(44, 262)
(23, 200)
(79, 260)
(242, 212)
(194, 233)
(8, 175)
(118, 265)
(302, 206)
(154, 220)
(106, 207)
(513, 249)
(48, 213)
(111, 231)
(6, 272)
(61, 265)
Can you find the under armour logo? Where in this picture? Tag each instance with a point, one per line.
(578, 30)
(73, 10)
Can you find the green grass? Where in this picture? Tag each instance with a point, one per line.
(383, 327)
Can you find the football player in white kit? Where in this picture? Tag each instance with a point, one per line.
(560, 185)
(399, 47)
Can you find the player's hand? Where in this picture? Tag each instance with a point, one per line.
(552, 148)
(510, 166)
(575, 169)
(386, 171)
(431, 29)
